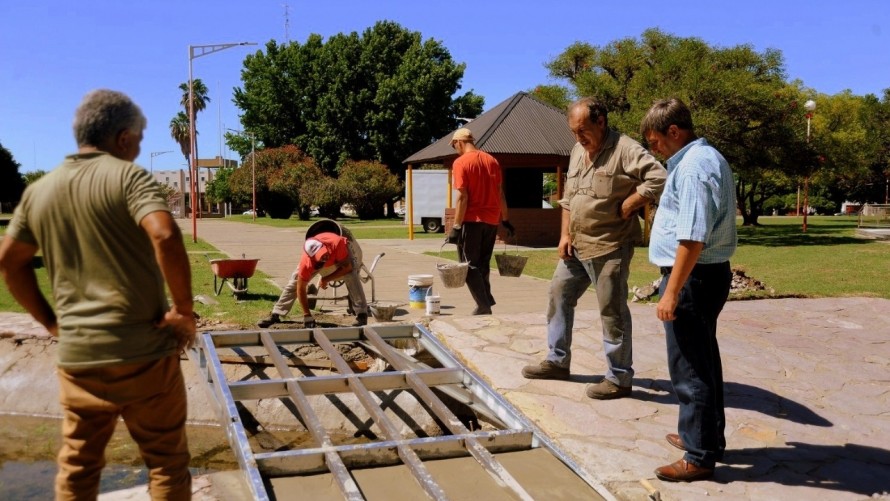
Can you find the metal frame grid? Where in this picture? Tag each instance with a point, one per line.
(453, 379)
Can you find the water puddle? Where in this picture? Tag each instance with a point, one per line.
(28, 447)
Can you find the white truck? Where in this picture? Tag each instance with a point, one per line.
(430, 198)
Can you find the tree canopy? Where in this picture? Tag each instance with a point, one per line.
(740, 99)
(11, 182)
(377, 96)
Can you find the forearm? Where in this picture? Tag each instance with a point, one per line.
(22, 284)
(565, 224)
(687, 255)
(303, 297)
(504, 210)
(632, 204)
(174, 263)
(460, 209)
(166, 239)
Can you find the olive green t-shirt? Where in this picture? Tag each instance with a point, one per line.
(106, 284)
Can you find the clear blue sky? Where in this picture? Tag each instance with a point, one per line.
(52, 52)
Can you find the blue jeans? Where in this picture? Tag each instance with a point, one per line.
(609, 275)
(694, 362)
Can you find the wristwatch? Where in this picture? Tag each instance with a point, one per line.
(457, 226)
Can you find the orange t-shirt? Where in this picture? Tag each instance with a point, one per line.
(335, 244)
(480, 174)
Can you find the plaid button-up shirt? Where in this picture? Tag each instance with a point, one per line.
(698, 204)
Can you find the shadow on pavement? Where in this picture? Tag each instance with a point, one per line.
(848, 468)
(738, 396)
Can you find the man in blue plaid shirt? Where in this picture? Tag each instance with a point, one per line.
(693, 237)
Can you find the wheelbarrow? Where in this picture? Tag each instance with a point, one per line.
(234, 273)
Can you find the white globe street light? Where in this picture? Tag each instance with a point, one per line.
(810, 106)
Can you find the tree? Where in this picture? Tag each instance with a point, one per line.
(179, 131)
(378, 96)
(12, 185)
(281, 174)
(739, 98)
(31, 177)
(367, 186)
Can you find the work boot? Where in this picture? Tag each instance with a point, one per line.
(360, 320)
(607, 390)
(545, 370)
(268, 321)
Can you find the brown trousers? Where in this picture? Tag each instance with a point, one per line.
(151, 399)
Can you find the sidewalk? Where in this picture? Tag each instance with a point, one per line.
(806, 379)
(807, 394)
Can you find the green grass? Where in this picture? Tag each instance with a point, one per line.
(363, 230)
(827, 261)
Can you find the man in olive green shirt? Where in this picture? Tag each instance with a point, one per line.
(109, 245)
(610, 178)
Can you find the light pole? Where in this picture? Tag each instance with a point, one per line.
(153, 155)
(196, 51)
(252, 164)
(810, 106)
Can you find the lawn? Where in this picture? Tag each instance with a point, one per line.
(363, 230)
(827, 261)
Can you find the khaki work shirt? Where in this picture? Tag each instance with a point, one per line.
(594, 194)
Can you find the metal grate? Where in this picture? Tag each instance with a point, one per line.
(428, 384)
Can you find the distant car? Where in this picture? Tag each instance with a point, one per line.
(259, 213)
(313, 211)
(400, 211)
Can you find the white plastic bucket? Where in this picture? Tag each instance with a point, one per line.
(432, 303)
(418, 288)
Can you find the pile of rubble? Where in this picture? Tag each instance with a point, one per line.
(740, 283)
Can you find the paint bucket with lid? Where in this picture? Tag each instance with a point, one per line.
(419, 287)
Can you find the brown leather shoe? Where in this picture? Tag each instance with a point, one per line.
(675, 440)
(683, 471)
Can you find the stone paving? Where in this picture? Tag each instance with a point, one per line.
(807, 393)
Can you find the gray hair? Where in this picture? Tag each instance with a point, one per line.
(595, 109)
(103, 114)
(663, 114)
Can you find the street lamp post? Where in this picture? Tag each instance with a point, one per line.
(810, 106)
(153, 155)
(196, 51)
(252, 164)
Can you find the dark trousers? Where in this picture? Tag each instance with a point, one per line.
(475, 247)
(694, 361)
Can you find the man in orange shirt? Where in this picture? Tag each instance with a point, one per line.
(481, 206)
(333, 257)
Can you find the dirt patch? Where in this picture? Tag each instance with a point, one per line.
(741, 284)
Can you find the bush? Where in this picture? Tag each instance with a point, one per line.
(368, 186)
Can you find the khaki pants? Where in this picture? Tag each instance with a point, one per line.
(151, 399)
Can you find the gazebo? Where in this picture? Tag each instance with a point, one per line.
(529, 138)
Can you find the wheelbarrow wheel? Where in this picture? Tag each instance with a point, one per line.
(312, 292)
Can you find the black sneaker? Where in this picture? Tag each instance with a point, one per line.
(360, 320)
(271, 320)
(545, 370)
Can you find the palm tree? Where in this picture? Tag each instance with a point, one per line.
(179, 131)
(200, 92)
(199, 103)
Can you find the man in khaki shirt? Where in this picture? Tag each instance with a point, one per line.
(611, 177)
